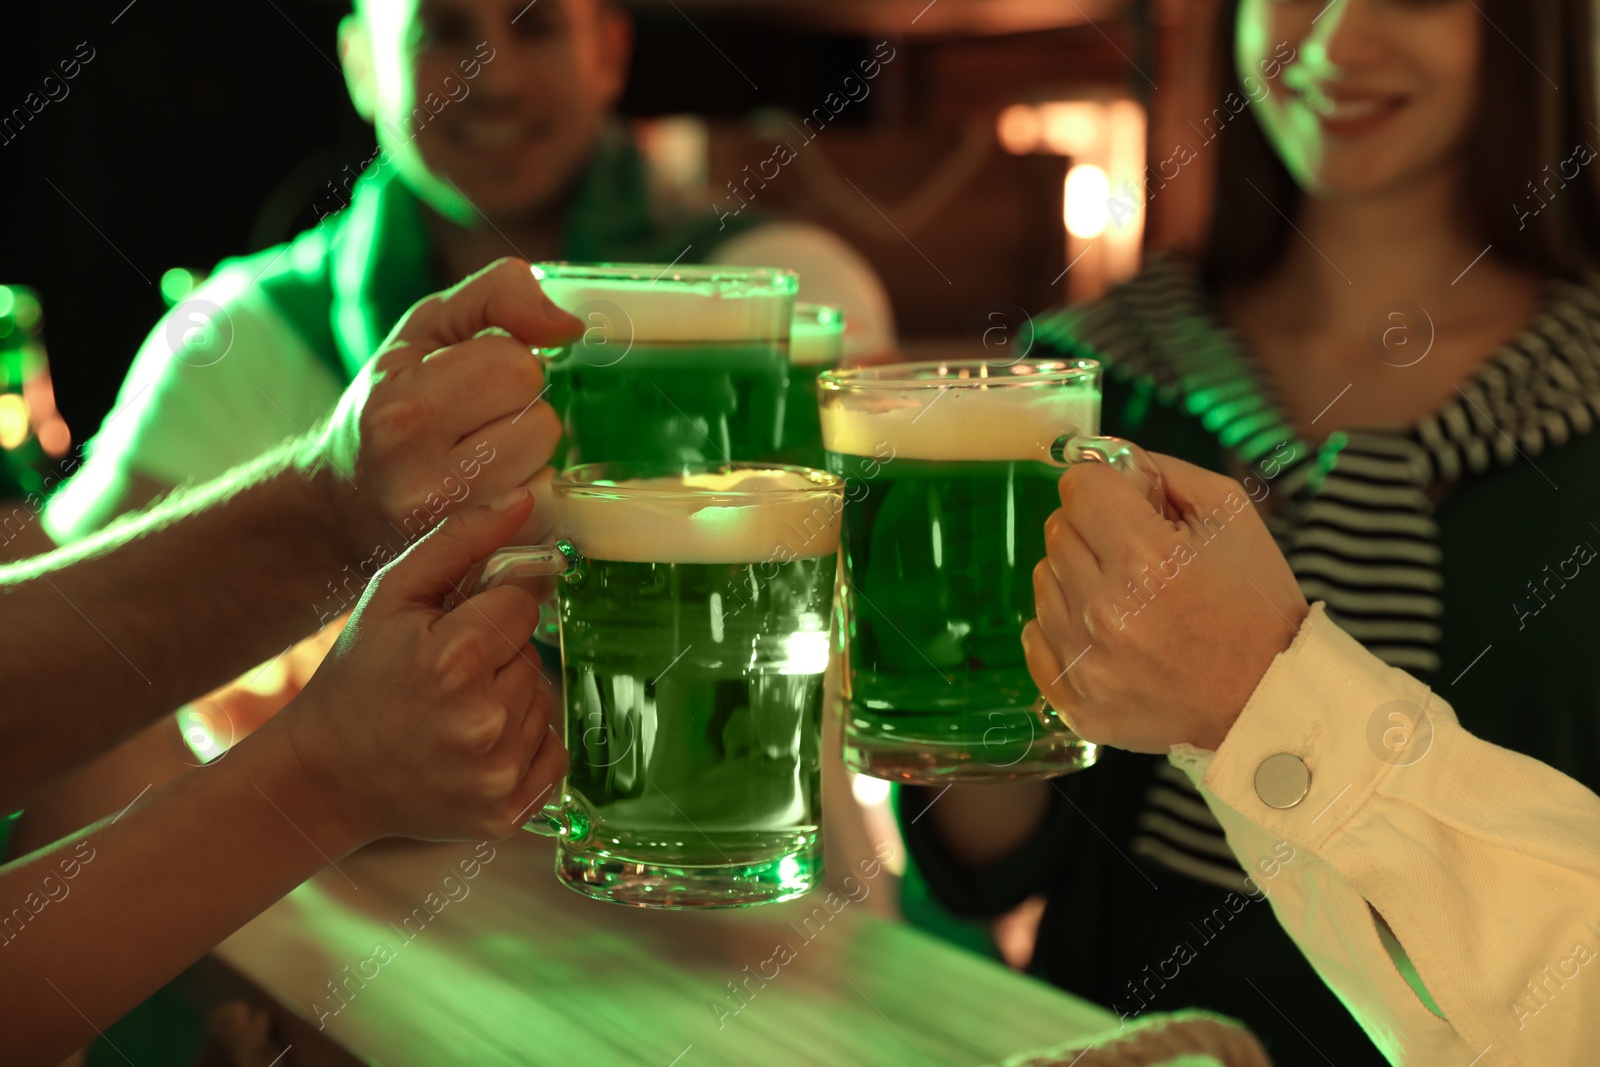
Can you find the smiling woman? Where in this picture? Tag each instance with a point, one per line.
(1441, 84)
(1386, 164)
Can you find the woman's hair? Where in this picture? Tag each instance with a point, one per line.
(1523, 125)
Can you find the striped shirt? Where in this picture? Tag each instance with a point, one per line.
(1355, 516)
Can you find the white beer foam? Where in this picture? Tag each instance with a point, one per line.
(959, 423)
(807, 347)
(817, 335)
(777, 526)
(653, 314)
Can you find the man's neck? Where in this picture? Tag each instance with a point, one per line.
(460, 251)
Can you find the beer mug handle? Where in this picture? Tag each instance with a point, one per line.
(568, 817)
(1134, 463)
(526, 561)
(1137, 466)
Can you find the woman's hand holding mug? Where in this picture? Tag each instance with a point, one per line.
(1152, 631)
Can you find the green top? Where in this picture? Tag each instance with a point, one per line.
(1482, 596)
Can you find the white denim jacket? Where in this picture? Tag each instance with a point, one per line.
(1484, 863)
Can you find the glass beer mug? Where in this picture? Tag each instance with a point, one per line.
(694, 607)
(816, 344)
(952, 469)
(681, 362)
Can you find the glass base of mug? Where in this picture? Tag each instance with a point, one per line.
(603, 876)
(917, 758)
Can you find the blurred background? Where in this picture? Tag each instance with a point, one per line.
(1005, 140)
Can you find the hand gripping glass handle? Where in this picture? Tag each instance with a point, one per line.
(1137, 466)
(1122, 455)
(569, 817)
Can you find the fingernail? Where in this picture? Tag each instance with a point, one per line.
(509, 499)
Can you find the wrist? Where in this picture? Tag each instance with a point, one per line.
(333, 497)
(1211, 735)
(323, 807)
(1317, 704)
(1211, 732)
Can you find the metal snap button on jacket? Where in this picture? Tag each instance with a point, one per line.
(1282, 781)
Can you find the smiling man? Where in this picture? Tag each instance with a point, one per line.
(496, 136)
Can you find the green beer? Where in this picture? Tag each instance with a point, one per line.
(816, 344)
(939, 546)
(694, 617)
(682, 364)
(693, 717)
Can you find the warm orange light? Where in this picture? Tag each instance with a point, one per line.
(55, 438)
(869, 792)
(1086, 203)
(37, 388)
(1073, 127)
(1018, 129)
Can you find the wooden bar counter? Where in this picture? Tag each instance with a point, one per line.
(411, 954)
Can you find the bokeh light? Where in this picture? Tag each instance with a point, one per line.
(1086, 206)
(13, 420)
(176, 285)
(1018, 129)
(1073, 127)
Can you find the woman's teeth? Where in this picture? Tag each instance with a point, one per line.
(1350, 110)
(1355, 109)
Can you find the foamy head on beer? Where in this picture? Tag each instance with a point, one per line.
(671, 311)
(961, 421)
(735, 516)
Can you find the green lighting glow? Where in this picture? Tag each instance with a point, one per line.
(792, 873)
(198, 735)
(20, 306)
(176, 284)
(1327, 460)
(1237, 431)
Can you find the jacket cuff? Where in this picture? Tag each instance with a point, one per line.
(1324, 724)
